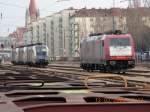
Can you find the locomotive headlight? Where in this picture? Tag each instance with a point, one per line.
(112, 62)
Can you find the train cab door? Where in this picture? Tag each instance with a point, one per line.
(101, 51)
(17, 55)
(13, 57)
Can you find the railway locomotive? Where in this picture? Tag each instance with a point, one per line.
(108, 52)
(33, 54)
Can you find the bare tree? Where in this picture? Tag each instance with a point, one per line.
(137, 28)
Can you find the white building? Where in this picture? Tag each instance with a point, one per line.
(53, 30)
(63, 31)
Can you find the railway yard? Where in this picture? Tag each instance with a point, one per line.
(75, 56)
(66, 87)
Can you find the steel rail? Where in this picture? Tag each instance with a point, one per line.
(106, 76)
(76, 76)
(8, 83)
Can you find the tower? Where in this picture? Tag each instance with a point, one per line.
(32, 13)
(27, 18)
(33, 10)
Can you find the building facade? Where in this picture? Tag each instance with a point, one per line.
(87, 21)
(18, 36)
(54, 31)
(63, 31)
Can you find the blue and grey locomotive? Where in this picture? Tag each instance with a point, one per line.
(33, 54)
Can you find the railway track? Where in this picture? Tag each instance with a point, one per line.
(131, 73)
(77, 74)
(78, 68)
(39, 89)
(139, 76)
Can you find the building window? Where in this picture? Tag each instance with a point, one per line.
(91, 19)
(91, 32)
(60, 19)
(92, 25)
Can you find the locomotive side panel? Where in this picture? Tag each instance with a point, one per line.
(30, 55)
(28, 58)
(14, 56)
(25, 55)
(99, 51)
(83, 51)
(17, 55)
(87, 51)
(95, 49)
(91, 51)
(33, 55)
(20, 55)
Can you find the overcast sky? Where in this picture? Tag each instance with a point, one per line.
(14, 10)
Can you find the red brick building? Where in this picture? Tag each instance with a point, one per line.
(17, 36)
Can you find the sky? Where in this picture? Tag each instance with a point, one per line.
(13, 11)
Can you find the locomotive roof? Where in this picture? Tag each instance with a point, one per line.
(30, 45)
(117, 32)
(94, 38)
(100, 37)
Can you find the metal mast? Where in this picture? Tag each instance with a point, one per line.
(146, 3)
(134, 3)
(113, 16)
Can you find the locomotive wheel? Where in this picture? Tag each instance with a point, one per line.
(102, 68)
(108, 69)
(118, 72)
(121, 71)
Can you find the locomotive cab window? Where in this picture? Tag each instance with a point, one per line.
(41, 50)
(120, 42)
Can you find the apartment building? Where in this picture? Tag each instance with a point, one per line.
(63, 31)
(87, 21)
(53, 30)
